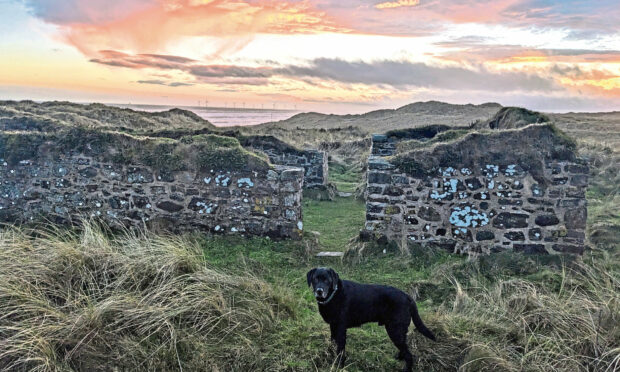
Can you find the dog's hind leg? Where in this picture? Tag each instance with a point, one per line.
(398, 335)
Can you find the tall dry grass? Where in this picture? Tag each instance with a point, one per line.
(88, 301)
(550, 321)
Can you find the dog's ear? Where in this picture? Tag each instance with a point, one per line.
(309, 276)
(335, 277)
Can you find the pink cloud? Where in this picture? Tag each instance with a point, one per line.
(397, 4)
(151, 28)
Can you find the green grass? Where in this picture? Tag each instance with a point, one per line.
(300, 342)
(346, 177)
(337, 221)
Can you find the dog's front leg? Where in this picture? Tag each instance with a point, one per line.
(339, 335)
(332, 329)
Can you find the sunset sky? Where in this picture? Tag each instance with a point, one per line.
(339, 56)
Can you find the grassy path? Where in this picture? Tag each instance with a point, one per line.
(337, 221)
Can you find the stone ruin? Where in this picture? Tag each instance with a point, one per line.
(314, 162)
(205, 183)
(478, 192)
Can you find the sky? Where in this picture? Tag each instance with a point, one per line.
(332, 56)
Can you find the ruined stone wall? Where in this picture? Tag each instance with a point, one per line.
(314, 162)
(451, 196)
(64, 188)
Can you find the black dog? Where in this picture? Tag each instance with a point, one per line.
(344, 304)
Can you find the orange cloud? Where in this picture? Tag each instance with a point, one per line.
(397, 4)
(151, 29)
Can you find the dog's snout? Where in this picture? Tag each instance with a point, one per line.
(319, 292)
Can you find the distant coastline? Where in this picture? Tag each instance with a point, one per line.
(222, 116)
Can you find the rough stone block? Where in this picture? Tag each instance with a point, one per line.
(429, 214)
(515, 236)
(379, 177)
(506, 220)
(547, 220)
(485, 235)
(576, 169)
(580, 180)
(576, 218)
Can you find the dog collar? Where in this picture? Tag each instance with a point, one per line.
(330, 296)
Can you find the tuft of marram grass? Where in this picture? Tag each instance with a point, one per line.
(90, 301)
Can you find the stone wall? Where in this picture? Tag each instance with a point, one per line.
(64, 186)
(521, 190)
(314, 162)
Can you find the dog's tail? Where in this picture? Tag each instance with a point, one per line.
(417, 321)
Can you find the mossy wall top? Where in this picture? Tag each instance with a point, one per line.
(527, 146)
(201, 152)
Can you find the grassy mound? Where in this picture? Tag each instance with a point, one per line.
(52, 115)
(85, 301)
(512, 118)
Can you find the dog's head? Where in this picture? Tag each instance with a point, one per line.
(323, 281)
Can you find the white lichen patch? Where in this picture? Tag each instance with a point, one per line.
(468, 217)
(491, 170)
(222, 180)
(449, 186)
(453, 183)
(510, 170)
(206, 208)
(437, 196)
(447, 172)
(247, 182)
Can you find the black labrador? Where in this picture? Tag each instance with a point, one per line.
(344, 304)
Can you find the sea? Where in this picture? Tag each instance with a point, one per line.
(224, 116)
